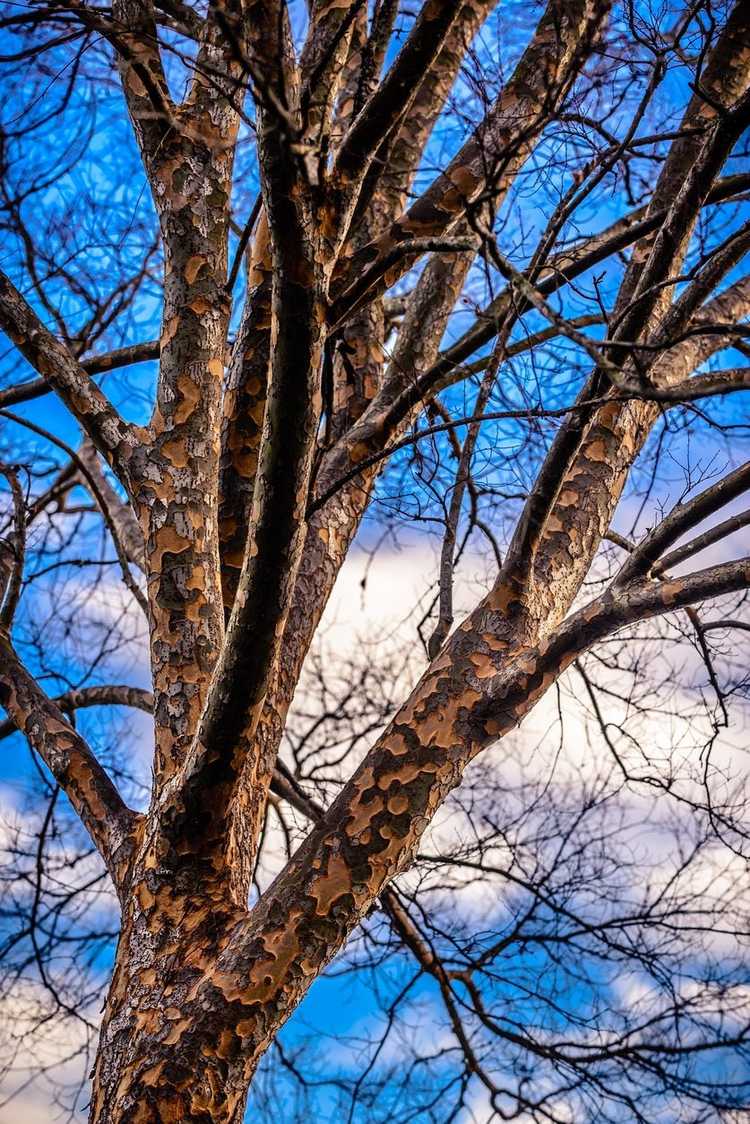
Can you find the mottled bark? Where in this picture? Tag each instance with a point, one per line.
(243, 409)
(189, 159)
(247, 488)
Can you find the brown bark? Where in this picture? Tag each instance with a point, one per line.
(247, 488)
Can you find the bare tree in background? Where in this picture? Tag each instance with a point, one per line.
(497, 254)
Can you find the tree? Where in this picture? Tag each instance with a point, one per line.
(287, 381)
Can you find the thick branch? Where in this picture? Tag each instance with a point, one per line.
(197, 810)
(580, 480)
(715, 534)
(143, 81)
(388, 103)
(468, 698)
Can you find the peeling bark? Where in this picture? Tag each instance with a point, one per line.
(247, 488)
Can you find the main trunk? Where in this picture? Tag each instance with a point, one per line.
(171, 1047)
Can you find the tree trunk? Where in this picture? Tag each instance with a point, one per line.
(171, 1047)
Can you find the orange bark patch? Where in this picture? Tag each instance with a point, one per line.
(333, 885)
(193, 267)
(191, 396)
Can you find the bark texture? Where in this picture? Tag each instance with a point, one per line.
(240, 499)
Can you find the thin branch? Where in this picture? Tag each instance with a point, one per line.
(119, 514)
(96, 365)
(681, 519)
(83, 697)
(701, 542)
(14, 544)
(93, 487)
(104, 814)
